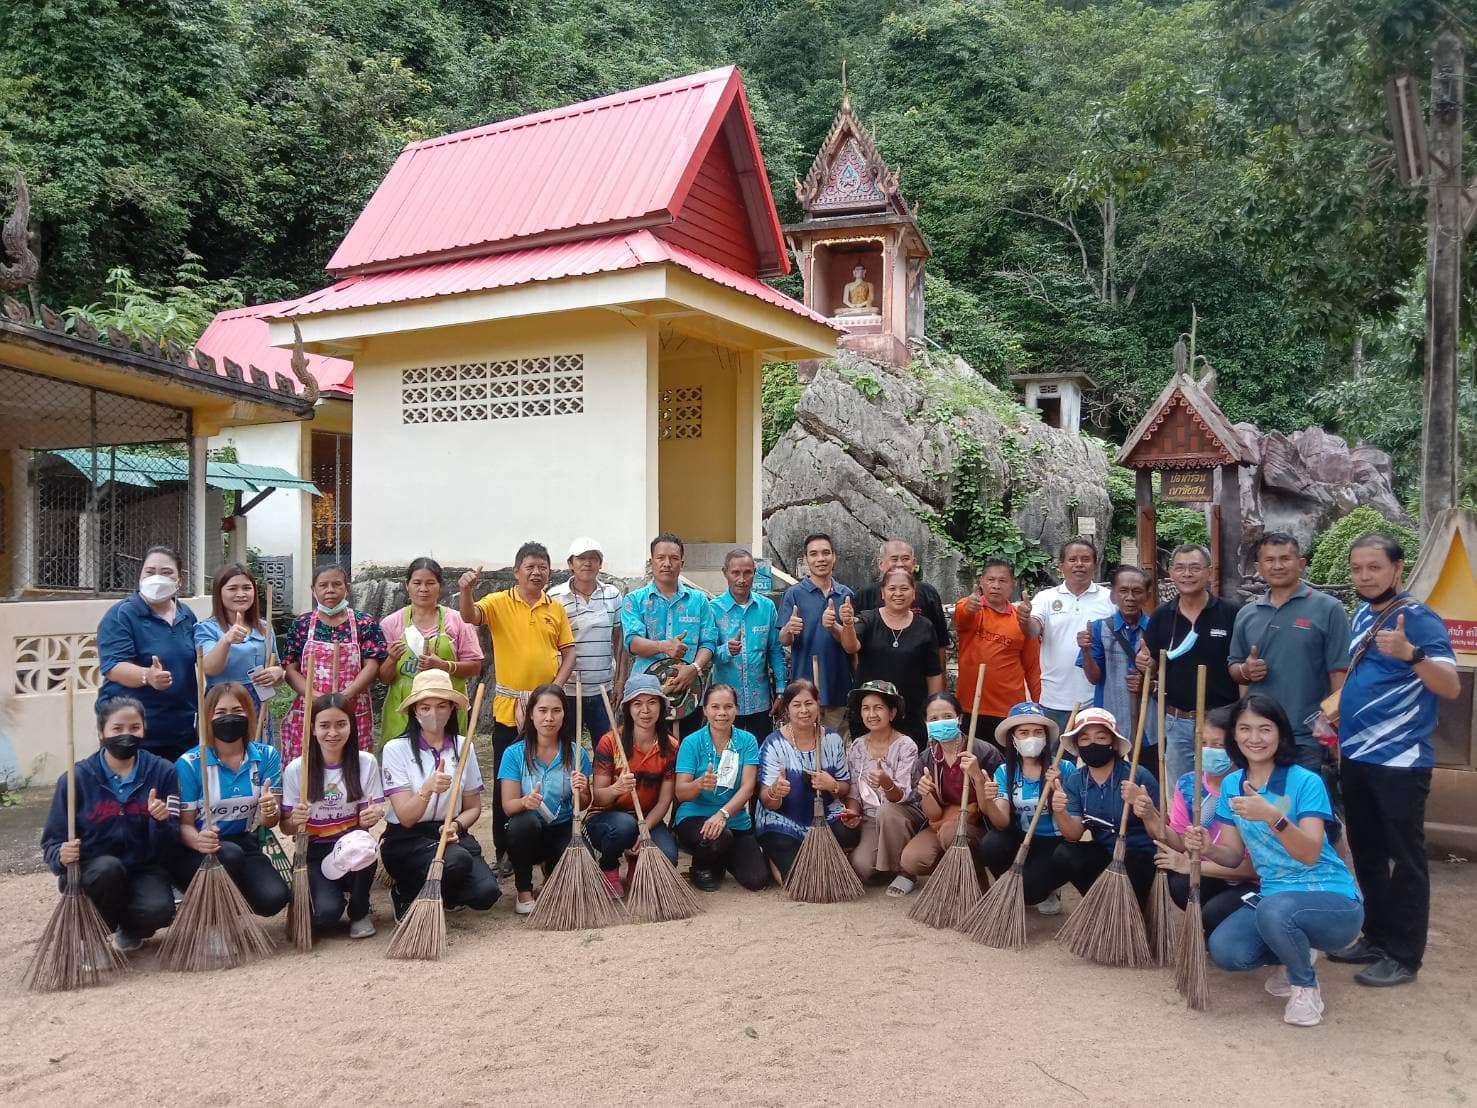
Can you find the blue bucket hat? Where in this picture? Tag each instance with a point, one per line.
(1028, 711)
(643, 684)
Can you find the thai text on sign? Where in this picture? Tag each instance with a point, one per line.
(1186, 486)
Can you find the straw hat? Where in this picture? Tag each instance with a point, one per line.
(1103, 718)
(433, 683)
(1028, 711)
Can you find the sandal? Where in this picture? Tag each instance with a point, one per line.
(901, 886)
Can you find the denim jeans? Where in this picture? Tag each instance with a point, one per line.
(1179, 751)
(597, 722)
(1284, 929)
(614, 832)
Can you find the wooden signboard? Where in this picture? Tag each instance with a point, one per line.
(1187, 486)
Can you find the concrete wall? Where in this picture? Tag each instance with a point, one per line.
(697, 474)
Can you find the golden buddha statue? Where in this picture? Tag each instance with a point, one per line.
(857, 297)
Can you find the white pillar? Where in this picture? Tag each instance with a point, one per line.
(23, 522)
(236, 544)
(199, 524)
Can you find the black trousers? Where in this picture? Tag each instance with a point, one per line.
(736, 851)
(503, 737)
(759, 724)
(1086, 861)
(138, 901)
(533, 842)
(1042, 873)
(695, 721)
(1386, 811)
(252, 871)
(466, 879)
(1218, 897)
(330, 896)
(782, 849)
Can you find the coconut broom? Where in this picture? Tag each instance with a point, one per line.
(575, 896)
(1189, 966)
(1108, 926)
(75, 949)
(300, 907)
(954, 886)
(657, 892)
(821, 872)
(1159, 918)
(215, 928)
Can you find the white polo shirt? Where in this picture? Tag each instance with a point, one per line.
(1062, 615)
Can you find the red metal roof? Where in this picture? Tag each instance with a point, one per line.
(610, 254)
(242, 335)
(612, 164)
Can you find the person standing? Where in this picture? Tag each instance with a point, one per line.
(898, 554)
(594, 610)
(807, 633)
(1193, 630)
(668, 618)
(1292, 643)
(1058, 615)
(146, 649)
(532, 645)
(238, 639)
(1400, 663)
(425, 634)
(995, 633)
(749, 655)
(1110, 647)
(896, 647)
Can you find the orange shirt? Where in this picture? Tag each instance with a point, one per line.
(1012, 661)
(650, 768)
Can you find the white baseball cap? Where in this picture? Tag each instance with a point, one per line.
(584, 545)
(355, 851)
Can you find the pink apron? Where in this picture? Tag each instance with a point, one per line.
(323, 655)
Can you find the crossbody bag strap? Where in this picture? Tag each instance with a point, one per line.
(1374, 629)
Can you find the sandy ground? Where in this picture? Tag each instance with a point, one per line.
(758, 1001)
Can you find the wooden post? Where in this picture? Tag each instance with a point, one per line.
(1147, 524)
(1216, 561)
(1444, 235)
(1228, 518)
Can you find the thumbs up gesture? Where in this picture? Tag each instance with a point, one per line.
(157, 808)
(1254, 668)
(848, 613)
(708, 782)
(781, 787)
(1392, 641)
(156, 676)
(238, 631)
(794, 625)
(1254, 807)
(736, 644)
(1023, 613)
(975, 600)
(468, 579)
(828, 615)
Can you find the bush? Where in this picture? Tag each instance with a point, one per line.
(779, 395)
(1330, 562)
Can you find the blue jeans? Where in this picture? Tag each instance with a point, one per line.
(612, 833)
(597, 722)
(1059, 715)
(1284, 929)
(1179, 749)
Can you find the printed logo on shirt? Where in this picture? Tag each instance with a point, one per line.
(1303, 622)
(1057, 605)
(1218, 632)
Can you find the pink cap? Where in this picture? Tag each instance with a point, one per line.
(355, 851)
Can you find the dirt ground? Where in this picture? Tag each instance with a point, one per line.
(758, 1001)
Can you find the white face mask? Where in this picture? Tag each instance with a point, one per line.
(1030, 748)
(158, 587)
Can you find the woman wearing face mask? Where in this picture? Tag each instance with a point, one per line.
(1221, 888)
(418, 768)
(884, 770)
(339, 643)
(1094, 797)
(242, 777)
(1278, 812)
(540, 780)
(338, 791)
(946, 764)
(146, 650)
(1008, 798)
(717, 767)
(892, 644)
(124, 829)
(238, 639)
(425, 634)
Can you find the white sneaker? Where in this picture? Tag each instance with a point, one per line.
(524, 907)
(361, 928)
(1277, 983)
(1304, 1007)
(1051, 906)
(125, 942)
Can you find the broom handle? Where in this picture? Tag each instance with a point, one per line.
(71, 766)
(302, 767)
(1159, 735)
(579, 738)
(974, 718)
(820, 734)
(620, 759)
(453, 807)
(1061, 757)
(1138, 746)
(200, 731)
(1196, 790)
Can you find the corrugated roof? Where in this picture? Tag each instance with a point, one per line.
(150, 470)
(241, 334)
(616, 162)
(610, 254)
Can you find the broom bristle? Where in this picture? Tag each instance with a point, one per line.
(76, 949)
(300, 907)
(1159, 921)
(998, 919)
(1108, 926)
(657, 892)
(215, 928)
(382, 879)
(576, 897)
(822, 873)
(952, 890)
(421, 935)
(1189, 967)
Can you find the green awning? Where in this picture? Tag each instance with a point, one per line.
(150, 470)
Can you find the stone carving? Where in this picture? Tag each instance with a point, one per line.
(19, 265)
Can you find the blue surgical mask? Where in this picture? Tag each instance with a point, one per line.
(1215, 761)
(943, 730)
(1185, 646)
(335, 610)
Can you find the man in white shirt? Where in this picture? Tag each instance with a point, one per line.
(1057, 615)
(594, 610)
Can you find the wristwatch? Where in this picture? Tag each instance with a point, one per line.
(1417, 655)
(1280, 825)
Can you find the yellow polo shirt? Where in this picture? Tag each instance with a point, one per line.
(525, 644)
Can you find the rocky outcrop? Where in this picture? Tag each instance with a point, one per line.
(875, 453)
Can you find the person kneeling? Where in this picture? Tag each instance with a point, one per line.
(124, 829)
(717, 768)
(342, 794)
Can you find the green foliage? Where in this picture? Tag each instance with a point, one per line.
(865, 383)
(960, 321)
(780, 395)
(1330, 562)
(978, 524)
(179, 312)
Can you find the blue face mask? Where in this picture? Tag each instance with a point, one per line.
(1184, 647)
(1215, 761)
(943, 730)
(335, 610)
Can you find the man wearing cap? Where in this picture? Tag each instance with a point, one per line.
(749, 657)
(1093, 799)
(670, 619)
(594, 610)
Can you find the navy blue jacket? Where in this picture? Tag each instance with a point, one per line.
(107, 826)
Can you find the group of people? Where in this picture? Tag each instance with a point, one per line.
(733, 715)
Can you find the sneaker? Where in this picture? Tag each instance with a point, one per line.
(361, 928)
(1051, 906)
(123, 941)
(1304, 1007)
(525, 907)
(1384, 973)
(1277, 983)
(1360, 952)
(705, 879)
(613, 882)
